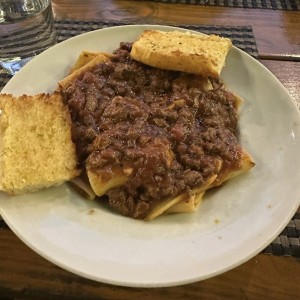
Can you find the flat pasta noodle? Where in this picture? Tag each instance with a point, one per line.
(101, 57)
(192, 201)
(189, 204)
(163, 205)
(111, 177)
(104, 180)
(83, 187)
(84, 58)
(245, 164)
(183, 201)
(101, 181)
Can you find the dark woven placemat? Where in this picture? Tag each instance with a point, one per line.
(261, 4)
(288, 242)
(241, 36)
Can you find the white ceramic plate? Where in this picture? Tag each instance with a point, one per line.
(234, 223)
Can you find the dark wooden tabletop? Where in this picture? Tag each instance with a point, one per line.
(26, 275)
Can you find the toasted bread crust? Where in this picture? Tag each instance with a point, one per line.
(36, 146)
(182, 51)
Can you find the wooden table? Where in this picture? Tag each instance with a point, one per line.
(25, 275)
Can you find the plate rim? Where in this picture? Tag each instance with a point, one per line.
(179, 282)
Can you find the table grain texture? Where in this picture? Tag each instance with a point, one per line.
(26, 275)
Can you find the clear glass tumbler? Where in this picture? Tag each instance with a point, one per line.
(26, 29)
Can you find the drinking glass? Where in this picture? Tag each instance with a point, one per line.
(26, 29)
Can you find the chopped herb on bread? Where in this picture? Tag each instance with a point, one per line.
(182, 51)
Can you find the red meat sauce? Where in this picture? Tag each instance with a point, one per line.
(163, 124)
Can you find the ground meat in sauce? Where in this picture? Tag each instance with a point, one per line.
(170, 130)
